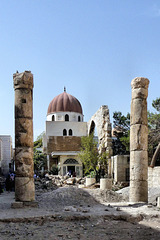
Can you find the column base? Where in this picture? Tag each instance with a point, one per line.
(24, 189)
(33, 204)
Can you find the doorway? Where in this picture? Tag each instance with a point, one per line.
(71, 170)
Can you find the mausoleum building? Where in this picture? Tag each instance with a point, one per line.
(64, 129)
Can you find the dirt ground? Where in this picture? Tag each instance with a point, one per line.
(79, 229)
(73, 213)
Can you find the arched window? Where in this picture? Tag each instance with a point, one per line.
(70, 132)
(66, 117)
(64, 132)
(53, 118)
(71, 161)
(79, 118)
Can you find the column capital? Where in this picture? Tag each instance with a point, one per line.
(23, 80)
(140, 82)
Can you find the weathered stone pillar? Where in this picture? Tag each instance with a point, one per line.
(139, 141)
(24, 182)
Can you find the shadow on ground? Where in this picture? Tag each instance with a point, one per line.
(72, 213)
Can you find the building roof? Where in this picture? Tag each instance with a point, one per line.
(64, 102)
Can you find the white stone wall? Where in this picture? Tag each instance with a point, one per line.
(153, 177)
(79, 129)
(5, 153)
(119, 164)
(60, 116)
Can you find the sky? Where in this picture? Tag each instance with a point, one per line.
(92, 47)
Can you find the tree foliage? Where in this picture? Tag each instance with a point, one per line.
(121, 130)
(39, 158)
(89, 153)
(154, 132)
(91, 159)
(121, 122)
(156, 104)
(39, 141)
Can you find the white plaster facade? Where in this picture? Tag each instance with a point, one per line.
(79, 129)
(60, 116)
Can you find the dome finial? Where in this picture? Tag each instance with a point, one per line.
(64, 89)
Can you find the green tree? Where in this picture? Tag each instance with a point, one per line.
(156, 104)
(154, 133)
(39, 157)
(121, 130)
(94, 163)
(39, 141)
(103, 163)
(89, 153)
(121, 122)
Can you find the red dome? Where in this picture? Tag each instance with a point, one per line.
(64, 102)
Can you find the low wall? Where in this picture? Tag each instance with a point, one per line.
(153, 177)
(120, 168)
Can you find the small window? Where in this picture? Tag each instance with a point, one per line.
(53, 118)
(66, 117)
(70, 132)
(79, 118)
(64, 132)
(23, 100)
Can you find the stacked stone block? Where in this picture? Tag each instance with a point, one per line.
(139, 141)
(24, 182)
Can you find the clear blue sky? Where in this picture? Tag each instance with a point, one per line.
(93, 47)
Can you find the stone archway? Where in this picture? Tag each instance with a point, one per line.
(92, 127)
(101, 120)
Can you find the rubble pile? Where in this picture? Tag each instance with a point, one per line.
(120, 185)
(52, 182)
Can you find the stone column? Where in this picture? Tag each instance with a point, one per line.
(24, 167)
(139, 141)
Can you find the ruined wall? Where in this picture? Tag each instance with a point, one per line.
(62, 144)
(101, 120)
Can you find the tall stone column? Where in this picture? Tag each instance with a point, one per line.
(139, 141)
(24, 167)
